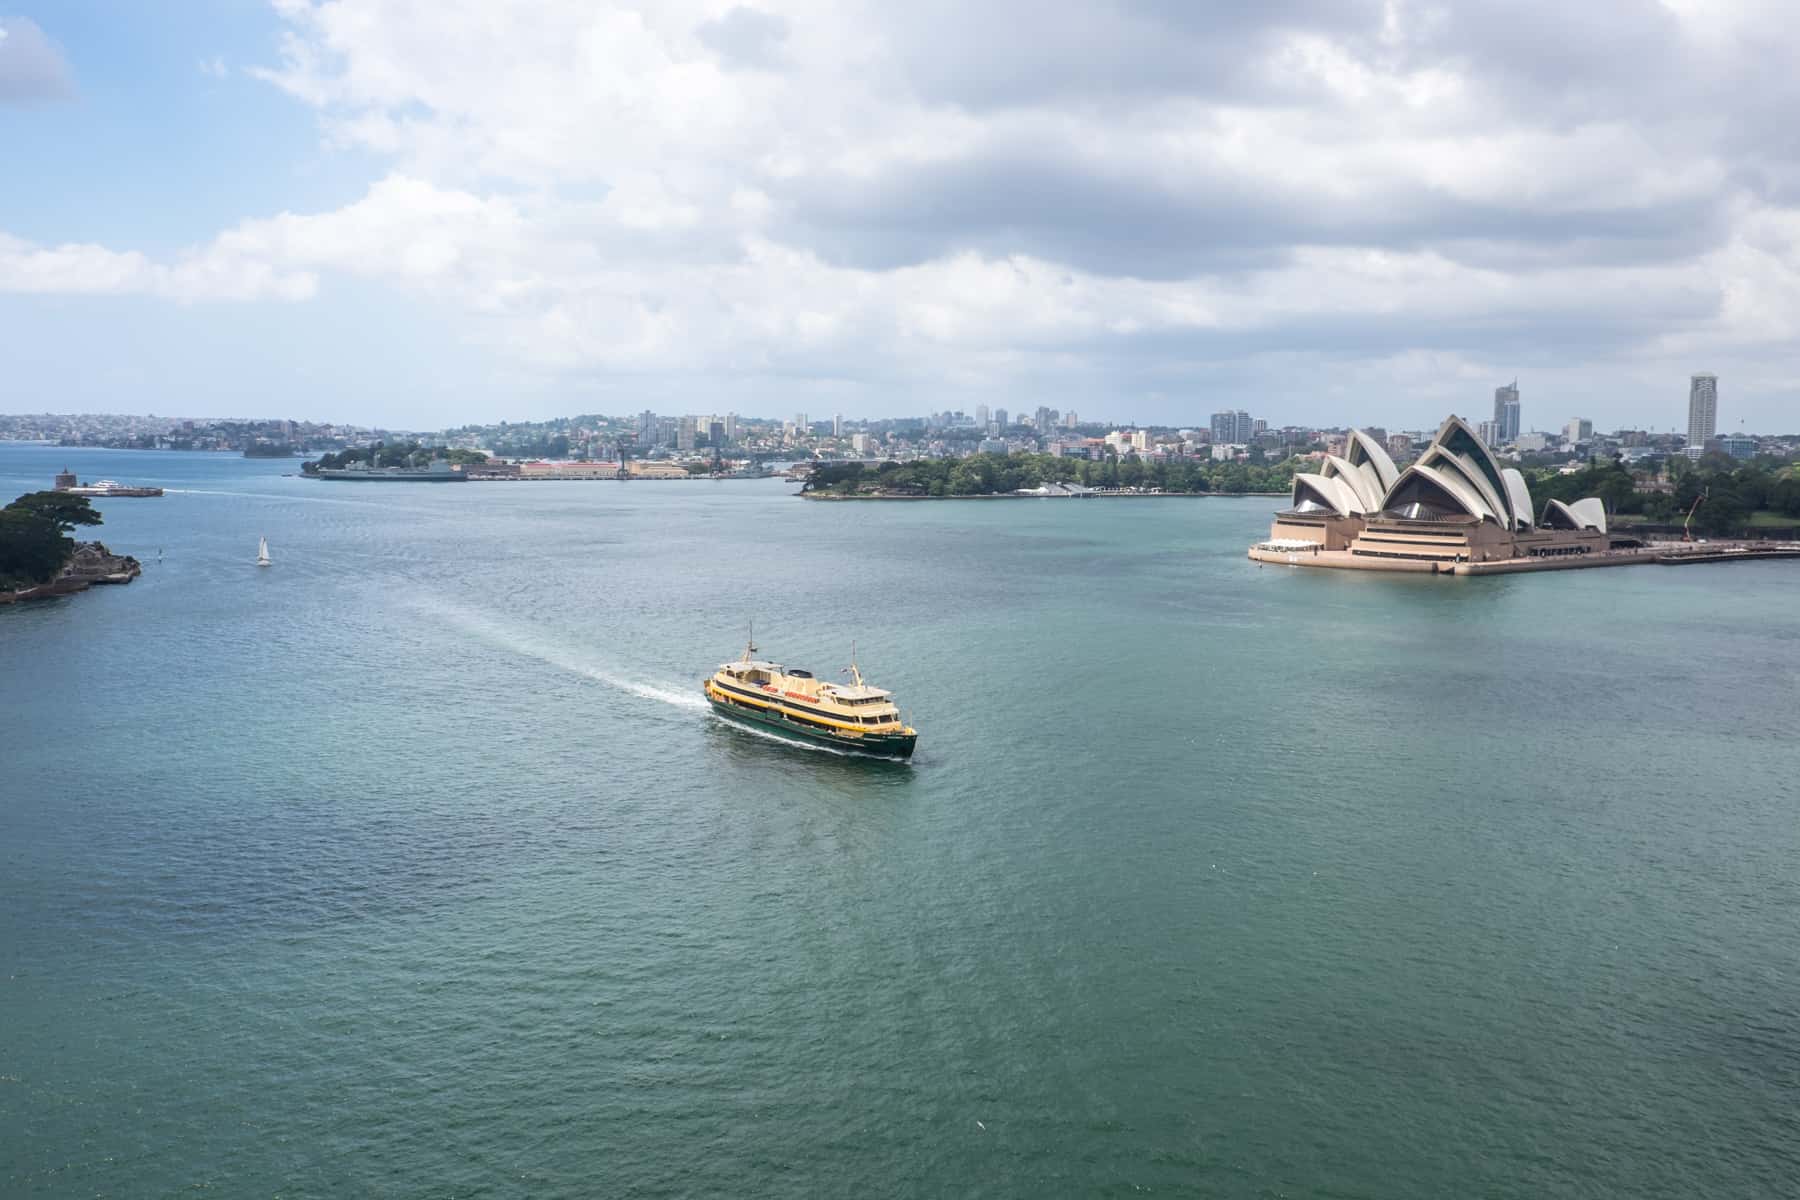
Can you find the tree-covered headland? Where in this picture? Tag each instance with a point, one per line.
(34, 536)
(400, 454)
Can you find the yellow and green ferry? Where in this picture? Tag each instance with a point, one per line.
(853, 717)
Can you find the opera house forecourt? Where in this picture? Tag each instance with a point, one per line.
(1455, 509)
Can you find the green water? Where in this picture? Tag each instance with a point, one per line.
(414, 865)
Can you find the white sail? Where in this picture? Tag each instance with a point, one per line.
(262, 552)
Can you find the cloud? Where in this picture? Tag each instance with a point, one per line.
(1108, 200)
(403, 230)
(32, 69)
(89, 270)
(744, 36)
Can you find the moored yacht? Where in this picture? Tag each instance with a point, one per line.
(854, 717)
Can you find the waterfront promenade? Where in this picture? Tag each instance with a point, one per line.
(1659, 553)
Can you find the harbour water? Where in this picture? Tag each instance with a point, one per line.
(415, 865)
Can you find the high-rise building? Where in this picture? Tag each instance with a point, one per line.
(731, 427)
(715, 433)
(837, 424)
(1232, 428)
(1703, 411)
(1489, 433)
(1000, 417)
(1578, 430)
(981, 415)
(685, 433)
(801, 428)
(646, 425)
(1071, 420)
(1506, 412)
(1044, 419)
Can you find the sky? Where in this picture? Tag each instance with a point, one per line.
(424, 212)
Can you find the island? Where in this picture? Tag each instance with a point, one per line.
(402, 460)
(1040, 475)
(38, 558)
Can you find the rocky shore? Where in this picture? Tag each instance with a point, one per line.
(92, 563)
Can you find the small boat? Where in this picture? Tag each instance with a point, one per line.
(262, 552)
(853, 717)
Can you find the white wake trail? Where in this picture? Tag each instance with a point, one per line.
(531, 645)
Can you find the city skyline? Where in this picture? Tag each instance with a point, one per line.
(1228, 425)
(690, 432)
(339, 211)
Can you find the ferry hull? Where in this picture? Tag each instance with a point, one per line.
(889, 745)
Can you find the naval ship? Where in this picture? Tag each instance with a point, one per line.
(437, 471)
(853, 717)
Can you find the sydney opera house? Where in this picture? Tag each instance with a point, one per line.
(1455, 504)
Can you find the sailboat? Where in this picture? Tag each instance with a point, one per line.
(262, 552)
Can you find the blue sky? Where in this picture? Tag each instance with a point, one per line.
(420, 212)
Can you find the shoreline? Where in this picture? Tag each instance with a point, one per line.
(1088, 496)
(91, 564)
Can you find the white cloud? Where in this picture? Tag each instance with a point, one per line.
(1116, 199)
(77, 269)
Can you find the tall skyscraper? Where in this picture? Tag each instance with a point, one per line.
(1506, 412)
(1000, 417)
(685, 433)
(837, 424)
(1232, 428)
(731, 427)
(981, 415)
(1703, 411)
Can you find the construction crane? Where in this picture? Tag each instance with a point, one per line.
(1687, 533)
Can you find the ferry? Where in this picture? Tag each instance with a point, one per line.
(852, 717)
(106, 488)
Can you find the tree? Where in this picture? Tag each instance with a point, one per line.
(61, 509)
(32, 548)
(1723, 512)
